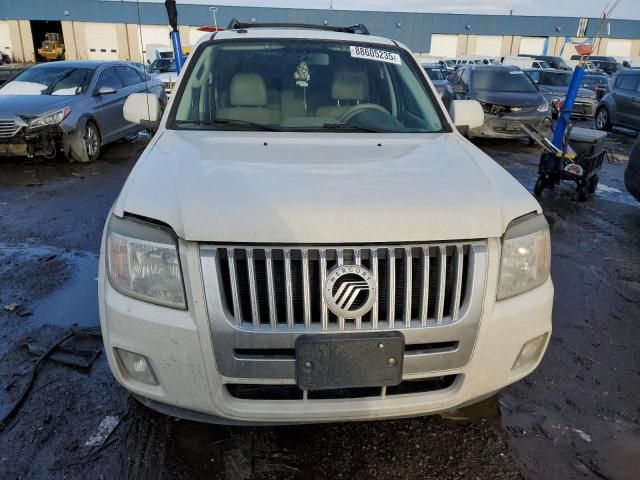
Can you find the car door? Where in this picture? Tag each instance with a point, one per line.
(625, 95)
(133, 83)
(109, 103)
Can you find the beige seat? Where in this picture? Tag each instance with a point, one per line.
(349, 88)
(249, 101)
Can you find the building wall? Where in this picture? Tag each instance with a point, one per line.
(469, 32)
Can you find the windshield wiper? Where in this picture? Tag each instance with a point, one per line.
(344, 126)
(229, 121)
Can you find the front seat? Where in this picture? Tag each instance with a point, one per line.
(349, 88)
(249, 100)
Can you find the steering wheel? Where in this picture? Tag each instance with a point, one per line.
(358, 109)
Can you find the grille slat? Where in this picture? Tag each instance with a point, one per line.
(442, 284)
(253, 289)
(234, 286)
(8, 129)
(273, 287)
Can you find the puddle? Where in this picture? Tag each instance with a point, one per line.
(58, 287)
(76, 302)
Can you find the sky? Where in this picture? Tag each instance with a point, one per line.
(629, 9)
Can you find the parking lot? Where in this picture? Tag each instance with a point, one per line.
(576, 416)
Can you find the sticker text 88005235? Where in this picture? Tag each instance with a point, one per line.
(374, 54)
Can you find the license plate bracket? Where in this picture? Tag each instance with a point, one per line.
(349, 360)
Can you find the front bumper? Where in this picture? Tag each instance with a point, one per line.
(26, 143)
(180, 349)
(509, 125)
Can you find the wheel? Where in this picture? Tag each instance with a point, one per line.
(603, 122)
(583, 191)
(593, 183)
(91, 141)
(539, 186)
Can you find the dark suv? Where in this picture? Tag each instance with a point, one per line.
(632, 173)
(621, 106)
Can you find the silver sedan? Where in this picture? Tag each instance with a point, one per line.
(73, 108)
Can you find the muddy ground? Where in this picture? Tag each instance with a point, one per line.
(577, 416)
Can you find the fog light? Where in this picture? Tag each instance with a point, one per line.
(136, 366)
(531, 352)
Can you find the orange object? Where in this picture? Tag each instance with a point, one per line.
(210, 28)
(584, 49)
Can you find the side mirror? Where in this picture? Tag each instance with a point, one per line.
(105, 90)
(466, 113)
(142, 109)
(458, 89)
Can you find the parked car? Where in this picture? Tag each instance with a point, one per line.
(268, 257)
(167, 75)
(553, 61)
(597, 82)
(7, 72)
(607, 64)
(439, 79)
(621, 105)
(523, 62)
(508, 97)
(632, 172)
(71, 107)
(555, 85)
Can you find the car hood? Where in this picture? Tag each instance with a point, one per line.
(166, 77)
(562, 91)
(322, 188)
(440, 83)
(509, 99)
(34, 105)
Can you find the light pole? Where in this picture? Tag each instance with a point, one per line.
(213, 10)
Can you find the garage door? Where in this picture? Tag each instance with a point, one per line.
(5, 38)
(532, 45)
(444, 45)
(488, 45)
(102, 41)
(618, 47)
(195, 35)
(153, 37)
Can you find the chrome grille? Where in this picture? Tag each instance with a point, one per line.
(8, 129)
(281, 288)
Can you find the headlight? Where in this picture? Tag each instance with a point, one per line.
(526, 256)
(143, 263)
(54, 118)
(544, 107)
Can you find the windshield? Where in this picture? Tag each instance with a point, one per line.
(161, 65)
(435, 73)
(49, 81)
(305, 85)
(503, 81)
(555, 79)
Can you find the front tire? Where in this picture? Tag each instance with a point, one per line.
(603, 120)
(91, 141)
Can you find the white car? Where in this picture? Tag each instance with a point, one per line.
(308, 238)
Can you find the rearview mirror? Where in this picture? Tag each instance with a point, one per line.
(105, 90)
(466, 113)
(142, 109)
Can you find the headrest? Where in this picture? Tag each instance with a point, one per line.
(350, 85)
(248, 90)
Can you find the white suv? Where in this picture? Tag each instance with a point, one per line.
(308, 238)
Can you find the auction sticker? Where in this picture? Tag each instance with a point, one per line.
(375, 54)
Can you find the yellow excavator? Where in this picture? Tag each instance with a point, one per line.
(52, 47)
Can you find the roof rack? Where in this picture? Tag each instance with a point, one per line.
(357, 28)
